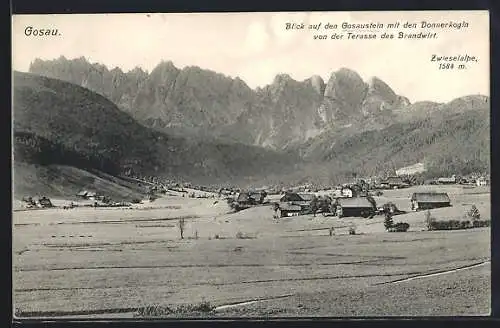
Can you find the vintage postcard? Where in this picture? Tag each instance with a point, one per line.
(215, 165)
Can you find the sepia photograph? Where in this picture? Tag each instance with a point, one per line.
(251, 165)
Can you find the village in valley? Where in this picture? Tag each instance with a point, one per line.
(354, 199)
(263, 171)
(297, 228)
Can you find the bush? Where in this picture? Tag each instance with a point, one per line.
(473, 213)
(388, 222)
(481, 223)
(399, 227)
(182, 225)
(235, 206)
(456, 224)
(465, 224)
(161, 311)
(352, 231)
(429, 220)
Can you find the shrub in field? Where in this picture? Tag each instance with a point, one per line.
(204, 306)
(465, 224)
(352, 231)
(388, 222)
(162, 311)
(429, 220)
(182, 226)
(481, 223)
(473, 213)
(399, 227)
(216, 236)
(456, 224)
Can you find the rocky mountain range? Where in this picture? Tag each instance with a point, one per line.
(205, 103)
(199, 123)
(60, 123)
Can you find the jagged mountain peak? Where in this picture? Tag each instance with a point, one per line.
(344, 81)
(282, 78)
(138, 70)
(317, 83)
(375, 82)
(347, 73)
(197, 100)
(164, 66)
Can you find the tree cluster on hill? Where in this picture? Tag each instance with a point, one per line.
(34, 149)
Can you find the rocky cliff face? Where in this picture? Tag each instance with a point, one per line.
(166, 97)
(208, 104)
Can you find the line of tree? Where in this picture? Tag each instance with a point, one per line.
(31, 148)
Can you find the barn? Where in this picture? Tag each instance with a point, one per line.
(44, 202)
(295, 204)
(394, 182)
(444, 180)
(297, 197)
(82, 194)
(356, 206)
(251, 198)
(289, 209)
(429, 200)
(87, 194)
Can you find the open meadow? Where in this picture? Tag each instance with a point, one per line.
(103, 262)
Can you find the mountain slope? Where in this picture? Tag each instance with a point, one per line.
(449, 143)
(56, 122)
(64, 182)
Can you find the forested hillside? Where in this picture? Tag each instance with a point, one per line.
(56, 122)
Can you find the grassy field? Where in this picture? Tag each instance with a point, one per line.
(114, 261)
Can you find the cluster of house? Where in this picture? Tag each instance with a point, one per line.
(354, 199)
(347, 205)
(478, 180)
(348, 200)
(40, 202)
(293, 204)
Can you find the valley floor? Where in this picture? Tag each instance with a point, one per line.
(110, 262)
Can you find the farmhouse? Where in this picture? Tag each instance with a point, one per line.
(482, 182)
(44, 202)
(394, 182)
(451, 180)
(347, 192)
(289, 209)
(87, 194)
(356, 206)
(429, 200)
(297, 197)
(295, 204)
(251, 198)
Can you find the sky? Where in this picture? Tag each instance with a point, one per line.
(257, 46)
